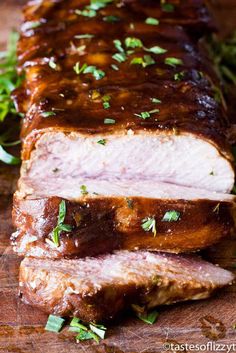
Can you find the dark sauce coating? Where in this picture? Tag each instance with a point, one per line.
(49, 50)
(104, 224)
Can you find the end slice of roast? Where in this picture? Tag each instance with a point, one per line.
(99, 289)
(111, 217)
(162, 123)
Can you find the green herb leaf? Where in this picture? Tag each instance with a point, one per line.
(106, 99)
(9, 79)
(152, 21)
(54, 323)
(99, 330)
(115, 67)
(145, 61)
(75, 322)
(167, 7)
(149, 318)
(84, 190)
(8, 158)
(102, 142)
(97, 73)
(118, 45)
(47, 114)
(132, 42)
(61, 227)
(156, 50)
(156, 100)
(78, 70)
(109, 121)
(84, 36)
(173, 61)
(99, 4)
(120, 57)
(171, 216)
(111, 19)
(149, 224)
(179, 76)
(87, 12)
(87, 335)
(147, 115)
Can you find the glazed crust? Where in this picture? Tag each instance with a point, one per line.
(104, 224)
(187, 105)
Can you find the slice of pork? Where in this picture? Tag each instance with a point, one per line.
(103, 223)
(178, 159)
(99, 289)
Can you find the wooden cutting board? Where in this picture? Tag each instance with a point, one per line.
(22, 327)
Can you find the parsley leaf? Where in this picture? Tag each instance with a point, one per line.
(147, 115)
(102, 142)
(149, 318)
(61, 227)
(173, 61)
(145, 61)
(54, 323)
(132, 42)
(152, 21)
(149, 224)
(171, 216)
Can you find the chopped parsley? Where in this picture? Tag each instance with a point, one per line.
(102, 142)
(120, 57)
(149, 318)
(61, 227)
(91, 10)
(99, 4)
(167, 7)
(132, 42)
(84, 333)
(106, 101)
(83, 190)
(109, 121)
(47, 114)
(85, 69)
(54, 323)
(156, 50)
(171, 216)
(115, 67)
(111, 19)
(179, 76)
(147, 115)
(87, 12)
(152, 21)
(118, 45)
(156, 100)
(149, 224)
(173, 61)
(147, 60)
(84, 36)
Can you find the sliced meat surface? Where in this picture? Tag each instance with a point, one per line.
(99, 289)
(101, 224)
(121, 100)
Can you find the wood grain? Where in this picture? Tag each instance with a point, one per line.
(22, 327)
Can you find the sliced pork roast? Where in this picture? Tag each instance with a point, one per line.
(171, 218)
(120, 100)
(98, 289)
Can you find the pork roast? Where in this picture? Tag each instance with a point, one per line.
(110, 97)
(98, 289)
